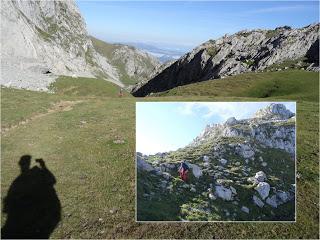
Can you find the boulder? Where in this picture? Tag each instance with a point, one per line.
(167, 167)
(283, 196)
(224, 193)
(257, 201)
(212, 196)
(196, 170)
(206, 158)
(245, 151)
(260, 176)
(263, 189)
(143, 165)
(233, 190)
(245, 209)
(223, 161)
(272, 201)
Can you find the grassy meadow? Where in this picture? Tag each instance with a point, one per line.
(85, 134)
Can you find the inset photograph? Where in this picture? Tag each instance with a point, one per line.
(215, 161)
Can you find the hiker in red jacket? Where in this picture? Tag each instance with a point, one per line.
(183, 170)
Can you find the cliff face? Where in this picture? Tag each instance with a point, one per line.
(244, 51)
(42, 39)
(240, 170)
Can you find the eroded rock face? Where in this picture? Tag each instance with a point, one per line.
(38, 35)
(274, 128)
(274, 111)
(241, 52)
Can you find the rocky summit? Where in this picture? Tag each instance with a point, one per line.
(245, 51)
(239, 170)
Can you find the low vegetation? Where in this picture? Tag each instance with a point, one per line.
(95, 172)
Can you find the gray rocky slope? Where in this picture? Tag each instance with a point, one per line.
(241, 52)
(41, 40)
(133, 65)
(240, 170)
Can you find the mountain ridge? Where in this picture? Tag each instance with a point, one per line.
(244, 51)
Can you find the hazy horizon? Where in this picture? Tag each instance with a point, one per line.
(183, 25)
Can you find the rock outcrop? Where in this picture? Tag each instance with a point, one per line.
(245, 51)
(235, 172)
(41, 40)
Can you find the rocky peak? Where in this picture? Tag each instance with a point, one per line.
(274, 111)
(44, 39)
(245, 51)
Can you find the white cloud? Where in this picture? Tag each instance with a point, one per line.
(223, 110)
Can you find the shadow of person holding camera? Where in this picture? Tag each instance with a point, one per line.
(32, 206)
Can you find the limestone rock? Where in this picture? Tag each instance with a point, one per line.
(196, 170)
(260, 176)
(263, 189)
(223, 193)
(272, 201)
(143, 165)
(234, 54)
(245, 209)
(274, 111)
(257, 201)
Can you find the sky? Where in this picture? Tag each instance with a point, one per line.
(167, 126)
(186, 24)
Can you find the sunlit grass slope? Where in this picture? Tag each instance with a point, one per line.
(90, 148)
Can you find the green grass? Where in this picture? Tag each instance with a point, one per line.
(291, 84)
(85, 87)
(212, 51)
(95, 175)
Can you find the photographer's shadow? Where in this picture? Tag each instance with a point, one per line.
(32, 206)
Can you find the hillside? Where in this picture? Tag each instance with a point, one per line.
(288, 84)
(87, 142)
(132, 64)
(240, 170)
(245, 51)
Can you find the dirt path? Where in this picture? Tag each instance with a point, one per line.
(61, 106)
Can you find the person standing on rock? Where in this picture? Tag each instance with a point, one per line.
(183, 170)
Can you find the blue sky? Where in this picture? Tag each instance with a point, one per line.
(186, 24)
(166, 126)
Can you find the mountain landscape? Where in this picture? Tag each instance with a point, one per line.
(60, 102)
(164, 54)
(42, 40)
(245, 51)
(240, 170)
